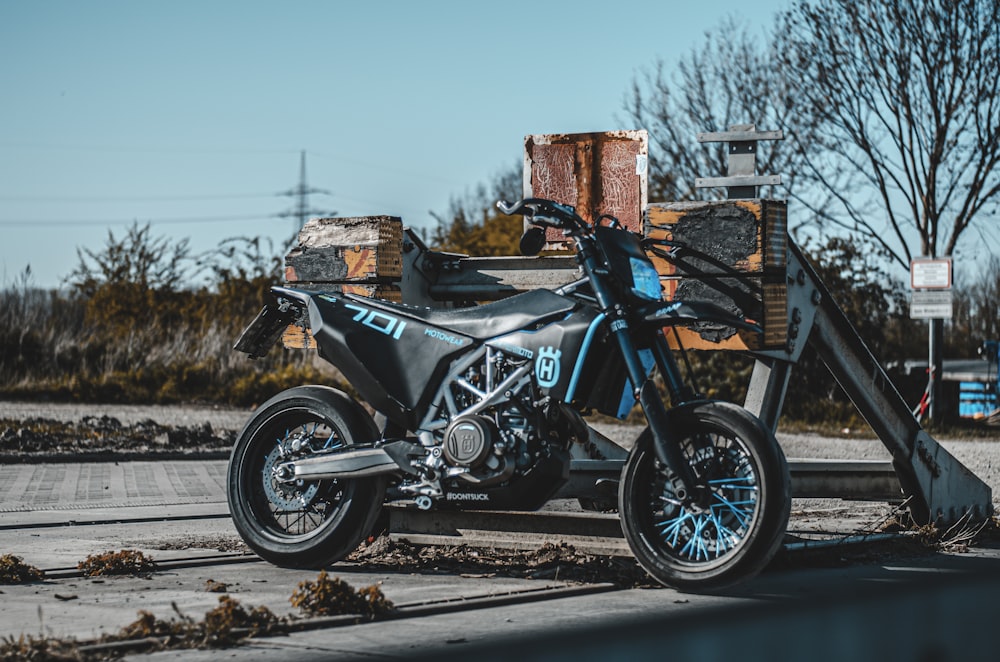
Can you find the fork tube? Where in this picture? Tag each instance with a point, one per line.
(665, 441)
(679, 391)
(665, 444)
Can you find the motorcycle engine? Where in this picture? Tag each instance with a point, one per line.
(488, 428)
(487, 447)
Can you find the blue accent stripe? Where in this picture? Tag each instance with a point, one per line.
(578, 368)
(628, 394)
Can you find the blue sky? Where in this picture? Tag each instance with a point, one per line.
(191, 115)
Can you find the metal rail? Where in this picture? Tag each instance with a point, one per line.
(861, 480)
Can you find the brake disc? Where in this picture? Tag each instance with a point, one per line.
(286, 495)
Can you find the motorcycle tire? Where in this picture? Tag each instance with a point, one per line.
(305, 524)
(736, 530)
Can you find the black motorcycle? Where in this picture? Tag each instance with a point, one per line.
(481, 406)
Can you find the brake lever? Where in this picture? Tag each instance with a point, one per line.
(653, 245)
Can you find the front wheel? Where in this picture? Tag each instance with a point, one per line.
(302, 524)
(732, 533)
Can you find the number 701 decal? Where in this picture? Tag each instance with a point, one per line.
(373, 319)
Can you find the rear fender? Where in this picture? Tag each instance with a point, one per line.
(286, 307)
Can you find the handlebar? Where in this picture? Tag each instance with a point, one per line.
(545, 213)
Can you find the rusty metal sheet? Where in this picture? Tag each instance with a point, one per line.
(598, 173)
(554, 173)
(619, 195)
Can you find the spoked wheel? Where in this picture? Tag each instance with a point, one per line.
(731, 533)
(304, 524)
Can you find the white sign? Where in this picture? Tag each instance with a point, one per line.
(931, 304)
(930, 273)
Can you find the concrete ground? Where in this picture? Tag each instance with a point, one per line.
(933, 606)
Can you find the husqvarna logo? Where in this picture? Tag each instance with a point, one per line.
(547, 367)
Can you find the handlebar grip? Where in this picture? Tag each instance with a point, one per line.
(544, 212)
(508, 208)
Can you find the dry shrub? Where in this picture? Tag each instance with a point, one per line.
(335, 597)
(28, 647)
(148, 626)
(222, 626)
(230, 622)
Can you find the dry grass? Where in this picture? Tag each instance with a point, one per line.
(335, 597)
(13, 570)
(125, 562)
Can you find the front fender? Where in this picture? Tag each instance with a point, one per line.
(686, 313)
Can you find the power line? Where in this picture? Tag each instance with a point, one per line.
(144, 148)
(132, 198)
(151, 221)
(384, 167)
(300, 212)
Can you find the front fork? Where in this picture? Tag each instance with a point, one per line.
(666, 442)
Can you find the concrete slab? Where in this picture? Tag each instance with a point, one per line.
(125, 506)
(938, 607)
(39, 487)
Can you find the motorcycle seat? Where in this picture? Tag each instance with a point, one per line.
(489, 320)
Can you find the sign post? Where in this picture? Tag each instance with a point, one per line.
(930, 280)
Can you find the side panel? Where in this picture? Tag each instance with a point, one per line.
(560, 351)
(389, 359)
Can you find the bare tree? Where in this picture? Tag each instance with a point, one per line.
(733, 77)
(901, 98)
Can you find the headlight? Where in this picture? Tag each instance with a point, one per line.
(645, 280)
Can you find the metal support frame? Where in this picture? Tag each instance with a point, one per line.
(940, 488)
(741, 180)
(766, 394)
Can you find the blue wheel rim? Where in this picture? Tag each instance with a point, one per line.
(711, 534)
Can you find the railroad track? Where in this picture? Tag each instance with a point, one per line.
(68, 585)
(96, 494)
(596, 533)
(588, 532)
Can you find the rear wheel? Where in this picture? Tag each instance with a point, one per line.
(736, 529)
(305, 524)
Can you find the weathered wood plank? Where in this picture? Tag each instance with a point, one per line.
(490, 278)
(300, 337)
(351, 255)
(745, 243)
(357, 249)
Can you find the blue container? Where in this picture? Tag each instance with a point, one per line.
(977, 399)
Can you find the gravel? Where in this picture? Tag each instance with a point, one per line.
(221, 418)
